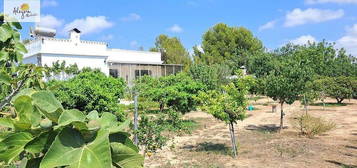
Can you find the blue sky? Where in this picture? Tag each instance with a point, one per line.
(130, 24)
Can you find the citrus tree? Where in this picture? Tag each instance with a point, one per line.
(228, 104)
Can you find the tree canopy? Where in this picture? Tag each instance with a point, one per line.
(223, 44)
(173, 52)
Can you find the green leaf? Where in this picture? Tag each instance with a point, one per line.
(20, 47)
(107, 120)
(48, 104)
(3, 55)
(70, 149)
(6, 122)
(13, 145)
(41, 142)
(24, 108)
(26, 91)
(16, 24)
(126, 157)
(5, 32)
(123, 138)
(5, 78)
(70, 116)
(93, 115)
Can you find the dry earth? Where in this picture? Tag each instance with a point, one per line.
(260, 146)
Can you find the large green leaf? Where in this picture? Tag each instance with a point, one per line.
(24, 108)
(13, 145)
(70, 149)
(109, 121)
(6, 122)
(20, 47)
(41, 142)
(123, 138)
(26, 112)
(70, 116)
(5, 32)
(125, 157)
(26, 91)
(5, 78)
(93, 115)
(16, 24)
(48, 104)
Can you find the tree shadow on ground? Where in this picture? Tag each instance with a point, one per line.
(331, 104)
(217, 148)
(351, 147)
(341, 164)
(270, 128)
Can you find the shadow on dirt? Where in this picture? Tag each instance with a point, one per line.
(341, 164)
(217, 148)
(270, 128)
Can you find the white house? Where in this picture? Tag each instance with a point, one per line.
(45, 49)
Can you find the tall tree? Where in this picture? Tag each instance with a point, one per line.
(223, 44)
(173, 52)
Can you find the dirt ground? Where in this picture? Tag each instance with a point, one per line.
(260, 146)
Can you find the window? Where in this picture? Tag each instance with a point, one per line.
(139, 73)
(113, 73)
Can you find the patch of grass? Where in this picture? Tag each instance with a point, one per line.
(255, 98)
(312, 126)
(183, 126)
(329, 104)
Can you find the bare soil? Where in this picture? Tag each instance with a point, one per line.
(260, 145)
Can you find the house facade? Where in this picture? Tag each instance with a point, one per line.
(45, 49)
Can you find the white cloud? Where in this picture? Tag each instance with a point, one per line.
(50, 21)
(49, 3)
(175, 29)
(300, 17)
(302, 40)
(331, 1)
(90, 24)
(131, 17)
(349, 40)
(268, 25)
(134, 44)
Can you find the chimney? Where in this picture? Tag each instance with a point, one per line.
(75, 35)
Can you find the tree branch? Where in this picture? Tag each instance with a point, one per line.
(7, 100)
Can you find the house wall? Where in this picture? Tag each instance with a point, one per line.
(81, 61)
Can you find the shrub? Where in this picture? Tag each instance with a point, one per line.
(312, 126)
(150, 135)
(174, 91)
(90, 91)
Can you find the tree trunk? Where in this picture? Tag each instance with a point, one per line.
(339, 100)
(162, 107)
(234, 146)
(281, 116)
(324, 105)
(305, 105)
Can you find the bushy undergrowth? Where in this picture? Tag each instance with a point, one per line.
(90, 91)
(311, 126)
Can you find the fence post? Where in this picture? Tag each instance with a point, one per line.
(136, 117)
